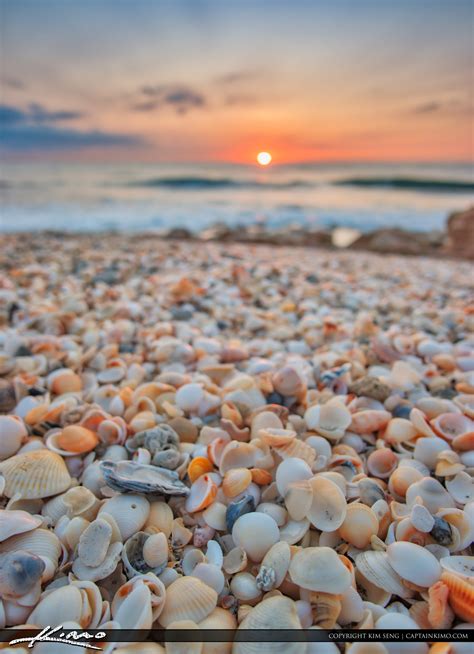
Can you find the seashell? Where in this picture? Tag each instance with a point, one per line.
(94, 542)
(427, 450)
(421, 518)
(319, 569)
(211, 575)
(328, 506)
(359, 525)
(243, 455)
(298, 499)
(414, 563)
(261, 477)
(352, 607)
(451, 425)
(375, 567)
(101, 571)
(74, 502)
(160, 517)
(180, 535)
(130, 512)
(402, 478)
(235, 560)
(382, 462)
(17, 522)
(35, 474)
(460, 522)
(461, 566)
(64, 381)
(290, 470)
(432, 493)
(60, 605)
(188, 598)
(331, 420)
(461, 596)
(244, 588)
(203, 492)
(326, 609)
(294, 530)
(399, 430)
(13, 434)
(125, 476)
(274, 566)
(275, 511)
(76, 439)
(369, 491)
(440, 615)
(421, 423)
(255, 533)
(272, 613)
(155, 551)
(215, 516)
(366, 422)
(20, 571)
(264, 420)
(135, 611)
(236, 481)
(199, 466)
(218, 619)
(42, 543)
(237, 509)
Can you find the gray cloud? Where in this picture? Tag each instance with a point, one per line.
(29, 130)
(234, 99)
(180, 98)
(236, 77)
(12, 83)
(427, 108)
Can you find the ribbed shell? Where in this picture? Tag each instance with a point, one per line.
(35, 475)
(188, 598)
(461, 596)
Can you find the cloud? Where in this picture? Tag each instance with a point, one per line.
(236, 77)
(12, 83)
(239, 99)
(34, 129)
(427, 108)
(180, 98)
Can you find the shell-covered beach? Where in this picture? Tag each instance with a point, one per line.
(224, 436)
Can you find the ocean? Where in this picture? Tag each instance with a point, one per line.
(154, 197)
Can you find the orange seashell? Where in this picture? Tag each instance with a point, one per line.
(236, 481)
(36, 415)
(229, 411)
(419, 613)
(203, 493)
(66, 382)
(464, 442)
(75, 438)
(461, 596)
(298, 449)
(276, 437)
(261, 477)
(198, 466)
(92, 419)
(440, 614)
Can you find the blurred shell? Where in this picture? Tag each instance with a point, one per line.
(244, 588)
(129, 511)
(461, 596)
(236, 481)
(188, 598)
(382, 462)
(365, 422)
(461, 566)
(274, 566)
(161, 517)
(360, 524)
(235, 560)
(13, 434)
(76, 439)
(101, 571)
(129, 476)
(330, 420)
(272, 613)
(255, 533)
(94, 542)
(298, 499)
(135, 610)
(211, 575)
(433, 494)
(203, 492)
(328, 507)
(214, 516)
(326, 609)
(17, 522)
(319, 569)
(19, 572)
(451, 425)
(440, 615)
(198, 466)
(155, 550)
(414, 563)
(35, 475)
(291, 470)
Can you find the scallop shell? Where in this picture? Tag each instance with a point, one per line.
(328, 507)
(42, 543)
(360, 524)
(374, 566)
(188, 598)
(414, 563)
(129, 511)
(461, 596)
(35, 475)
(319, 569)
(271, 614)
(17, 522)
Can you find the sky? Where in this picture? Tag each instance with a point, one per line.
(220, 80)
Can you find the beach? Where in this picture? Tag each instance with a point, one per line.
(207, 435)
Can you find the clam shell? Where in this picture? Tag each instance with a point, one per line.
(326, 609)
(328, 507)
(298, 499)
(94, 542)
(236, 481)
(155, 551)
(382, 462)
(461, 488)
(255, 533)
(35, 475)
(161, 517)
(291, 470)
(135, 611)
(414, 563)
(130, 512)
(211, 575)
(13, 434)
(274, 566)
(331, 420)
(101, 571)
(433, 494)
(17, 522)
(76, 439)
(58, 606)
(214, 516)
(365, 422)
(20, 571)
(360, 524)
(375, 567)
(128, 476)
(319, 569)
(203, 492)
(244, 588)
(462, 566)
(235, 560)
(188, 598)
(272, 613)
(42, 543)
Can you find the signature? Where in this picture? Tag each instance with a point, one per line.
(51, 635)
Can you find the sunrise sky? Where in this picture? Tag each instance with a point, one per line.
(197, 80)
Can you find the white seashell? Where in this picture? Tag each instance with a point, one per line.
(155, 550)
(104, 569)
(328, 507)
(331, 420)
(421, 518)
(17, 522)
(235, 560)
(161, 517)
(352, 607)
(58, 606)
(278, 513)
(94, 542)
(210, 575)
(414, 563)
(129, 511)
(214, 553)
(294, 530)
(461, 488)
(274, 566)
(461, 566)
(298, 499)
(135, 611)
(433, 494)
(244, 587)
(291, 470)
(214, 516)
(13, 434)
(189, 397)
(319, 569)
(255, 533)
(188, 598)
(374, 566)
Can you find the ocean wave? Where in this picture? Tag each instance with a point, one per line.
(410, 184)
(196, 183)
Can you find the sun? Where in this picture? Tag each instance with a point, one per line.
(264, 158)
